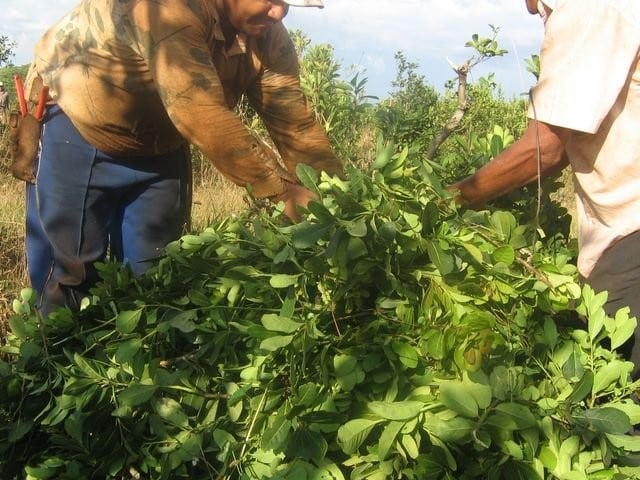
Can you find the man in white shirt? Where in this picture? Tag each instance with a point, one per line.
(585, 111)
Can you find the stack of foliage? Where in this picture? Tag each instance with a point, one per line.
(387, 335)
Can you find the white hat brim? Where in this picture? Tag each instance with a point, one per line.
(305, 3)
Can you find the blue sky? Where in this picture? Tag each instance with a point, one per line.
(367, 33)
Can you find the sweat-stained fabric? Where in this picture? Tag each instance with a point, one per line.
(139, 77)
(590, 83)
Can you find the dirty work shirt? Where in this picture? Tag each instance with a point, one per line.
(138, 77)
(590, 83)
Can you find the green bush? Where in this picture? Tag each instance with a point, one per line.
(387, 335)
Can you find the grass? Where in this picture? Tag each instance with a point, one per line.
(13, 275)
(214, 197)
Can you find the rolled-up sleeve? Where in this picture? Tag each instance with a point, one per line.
(278, 98)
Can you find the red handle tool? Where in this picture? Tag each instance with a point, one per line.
(22, 101)
(44, 95)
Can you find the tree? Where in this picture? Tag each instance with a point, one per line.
(7, 47)
(413, 113)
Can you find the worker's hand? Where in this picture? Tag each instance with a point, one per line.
(293, 196)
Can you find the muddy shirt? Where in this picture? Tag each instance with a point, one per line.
(590, 83)
(139, 77)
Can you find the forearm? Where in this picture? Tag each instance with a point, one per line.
(540, 152)
(278, 98)
(297, 135)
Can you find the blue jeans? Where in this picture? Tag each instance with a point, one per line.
(86, 202)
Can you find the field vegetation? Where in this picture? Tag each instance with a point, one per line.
(389, 334)
(414, 113)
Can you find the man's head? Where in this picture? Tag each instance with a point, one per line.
(255, 17)
(1, 86)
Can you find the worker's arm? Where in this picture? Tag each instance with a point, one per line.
(278, 98)
(540, 151)
(172, 37)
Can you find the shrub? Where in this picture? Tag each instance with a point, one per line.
(387, 335)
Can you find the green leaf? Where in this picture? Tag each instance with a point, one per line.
(73, 426)
(276, 433)
(505, 254)
(283, 281)
(519, 470)
(396, 410)
(234, 405)
(356, 248)
(481, 393)
(276, 323)
(512, 416)
(457, 397)
(307, 234)
(308, 176)
(17, 327)
(625, 327)
(222, 438)
(348, 372)
(474, 251)
(548, 458)
(357, 228)
(127, 350)
(183, 321)
(40, 473)
(573, 367)
(136, 394)
(383, 156)
(629, 407)
(605, 420)
(626, 442)
(288, 307)
(86, 367)
(127, 321)
(272, 344)
(451, 430)
(352, 434)
(441, 259)
(171, 411)
(582, 388)
(550, 333)
(307, 445)
(410, 446)
(388, 438)
(596, 323)
(503, 223)
(344, 364)
(18, 429)
(512, 449)
(413, 221)
(607, 375)
(406, 353)
(307, 394)
(320, 211)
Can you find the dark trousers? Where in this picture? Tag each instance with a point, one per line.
(86, 203)
(618, 272)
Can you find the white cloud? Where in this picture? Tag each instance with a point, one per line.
(366, 33)
(428, 31)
